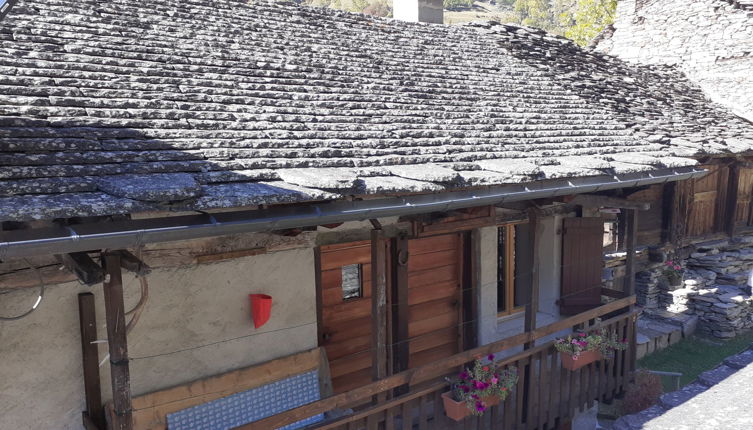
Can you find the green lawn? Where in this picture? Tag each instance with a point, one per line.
(693, 356)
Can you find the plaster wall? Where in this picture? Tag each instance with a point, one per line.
(195, 324)
(549, 248)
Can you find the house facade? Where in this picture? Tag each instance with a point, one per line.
(409, 195)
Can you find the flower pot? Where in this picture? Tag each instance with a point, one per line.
(261, 308)
(454, 410)
(490, 401)
(571, 363)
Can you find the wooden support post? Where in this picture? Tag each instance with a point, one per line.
(532, 304)
(631, 232)
(631, 229)
(669, 211)
(92, 391)
(122, 418)
(400, 351)
(378, 304)
(731, 210)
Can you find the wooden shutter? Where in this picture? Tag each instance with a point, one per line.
(744, 192)
(582, 264)
(707, 204)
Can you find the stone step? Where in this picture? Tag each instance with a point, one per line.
(740, 360)
(637, 421)
(676, 398)
(716, 375)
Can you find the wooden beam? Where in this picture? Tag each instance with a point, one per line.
(84, 267)
(731, 209)
(133, 264)
(378, 304)
(122, 418)
(596, 201)
(400, 308)
(532, 304)
(631, 229)
(668, 211)
(90, 358)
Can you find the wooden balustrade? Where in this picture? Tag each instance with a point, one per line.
(546, 394)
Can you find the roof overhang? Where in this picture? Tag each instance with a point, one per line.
(135, 233)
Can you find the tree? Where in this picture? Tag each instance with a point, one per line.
(535, 13)
(587, 19)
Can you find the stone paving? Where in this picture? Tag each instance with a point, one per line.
(719, 399)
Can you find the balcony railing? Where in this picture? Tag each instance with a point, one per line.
(546, 394)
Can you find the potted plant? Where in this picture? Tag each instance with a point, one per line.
(672, 272)
(477, 389)
(579, 349)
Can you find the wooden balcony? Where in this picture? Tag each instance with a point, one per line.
(546, 395)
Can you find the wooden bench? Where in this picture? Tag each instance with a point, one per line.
(150, 410)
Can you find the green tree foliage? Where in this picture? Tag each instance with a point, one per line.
(535, 13)
(587, 18)
(579, 20)
(457, 4)
(370, 7)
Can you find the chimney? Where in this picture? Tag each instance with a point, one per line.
(418, 10)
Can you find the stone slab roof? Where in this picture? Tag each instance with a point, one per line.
(710, 40)
(121, 106)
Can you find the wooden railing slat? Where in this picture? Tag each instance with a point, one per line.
(437, 368)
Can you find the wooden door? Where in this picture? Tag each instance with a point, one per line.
(435, 273)
(582, 264)
(744, 193)
(345, 320)
(708, 199)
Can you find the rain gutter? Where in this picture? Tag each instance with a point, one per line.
(134, 233)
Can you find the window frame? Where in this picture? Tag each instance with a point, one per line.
(510, 308)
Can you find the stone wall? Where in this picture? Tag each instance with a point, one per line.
(711, 40)
(713, 287)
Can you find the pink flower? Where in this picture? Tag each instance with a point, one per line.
(678, 267)
(495, 380)
(490, 357)
(582, 334)
(480, 406)
(463, 375)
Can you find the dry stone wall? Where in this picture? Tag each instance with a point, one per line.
(711, 40)
(713, 287)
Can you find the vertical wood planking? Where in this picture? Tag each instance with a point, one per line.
(545, 389)
(406, 415)
(632, 229)
(122, 418)
(533, 391)
(90, 359)
(423, 413)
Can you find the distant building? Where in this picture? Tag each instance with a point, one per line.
(711, 40)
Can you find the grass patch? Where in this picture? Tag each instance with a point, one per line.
(694, 355)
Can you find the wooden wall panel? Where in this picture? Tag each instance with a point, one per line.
(744, 193)
(434, 297)
(650, 221)
(345, 326)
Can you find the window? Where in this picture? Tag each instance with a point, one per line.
(352, 281)
(513, 267)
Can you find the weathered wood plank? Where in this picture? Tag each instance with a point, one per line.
(122, 418)
(437, 368)
(90, 360)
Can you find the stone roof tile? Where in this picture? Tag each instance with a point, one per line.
(270, 102)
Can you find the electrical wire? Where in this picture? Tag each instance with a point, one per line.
(39, 297)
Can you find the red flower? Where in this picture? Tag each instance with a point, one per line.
(486, 368)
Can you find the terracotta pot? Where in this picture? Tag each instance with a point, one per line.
(586, 357)
(490, 401)
(454, 410)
